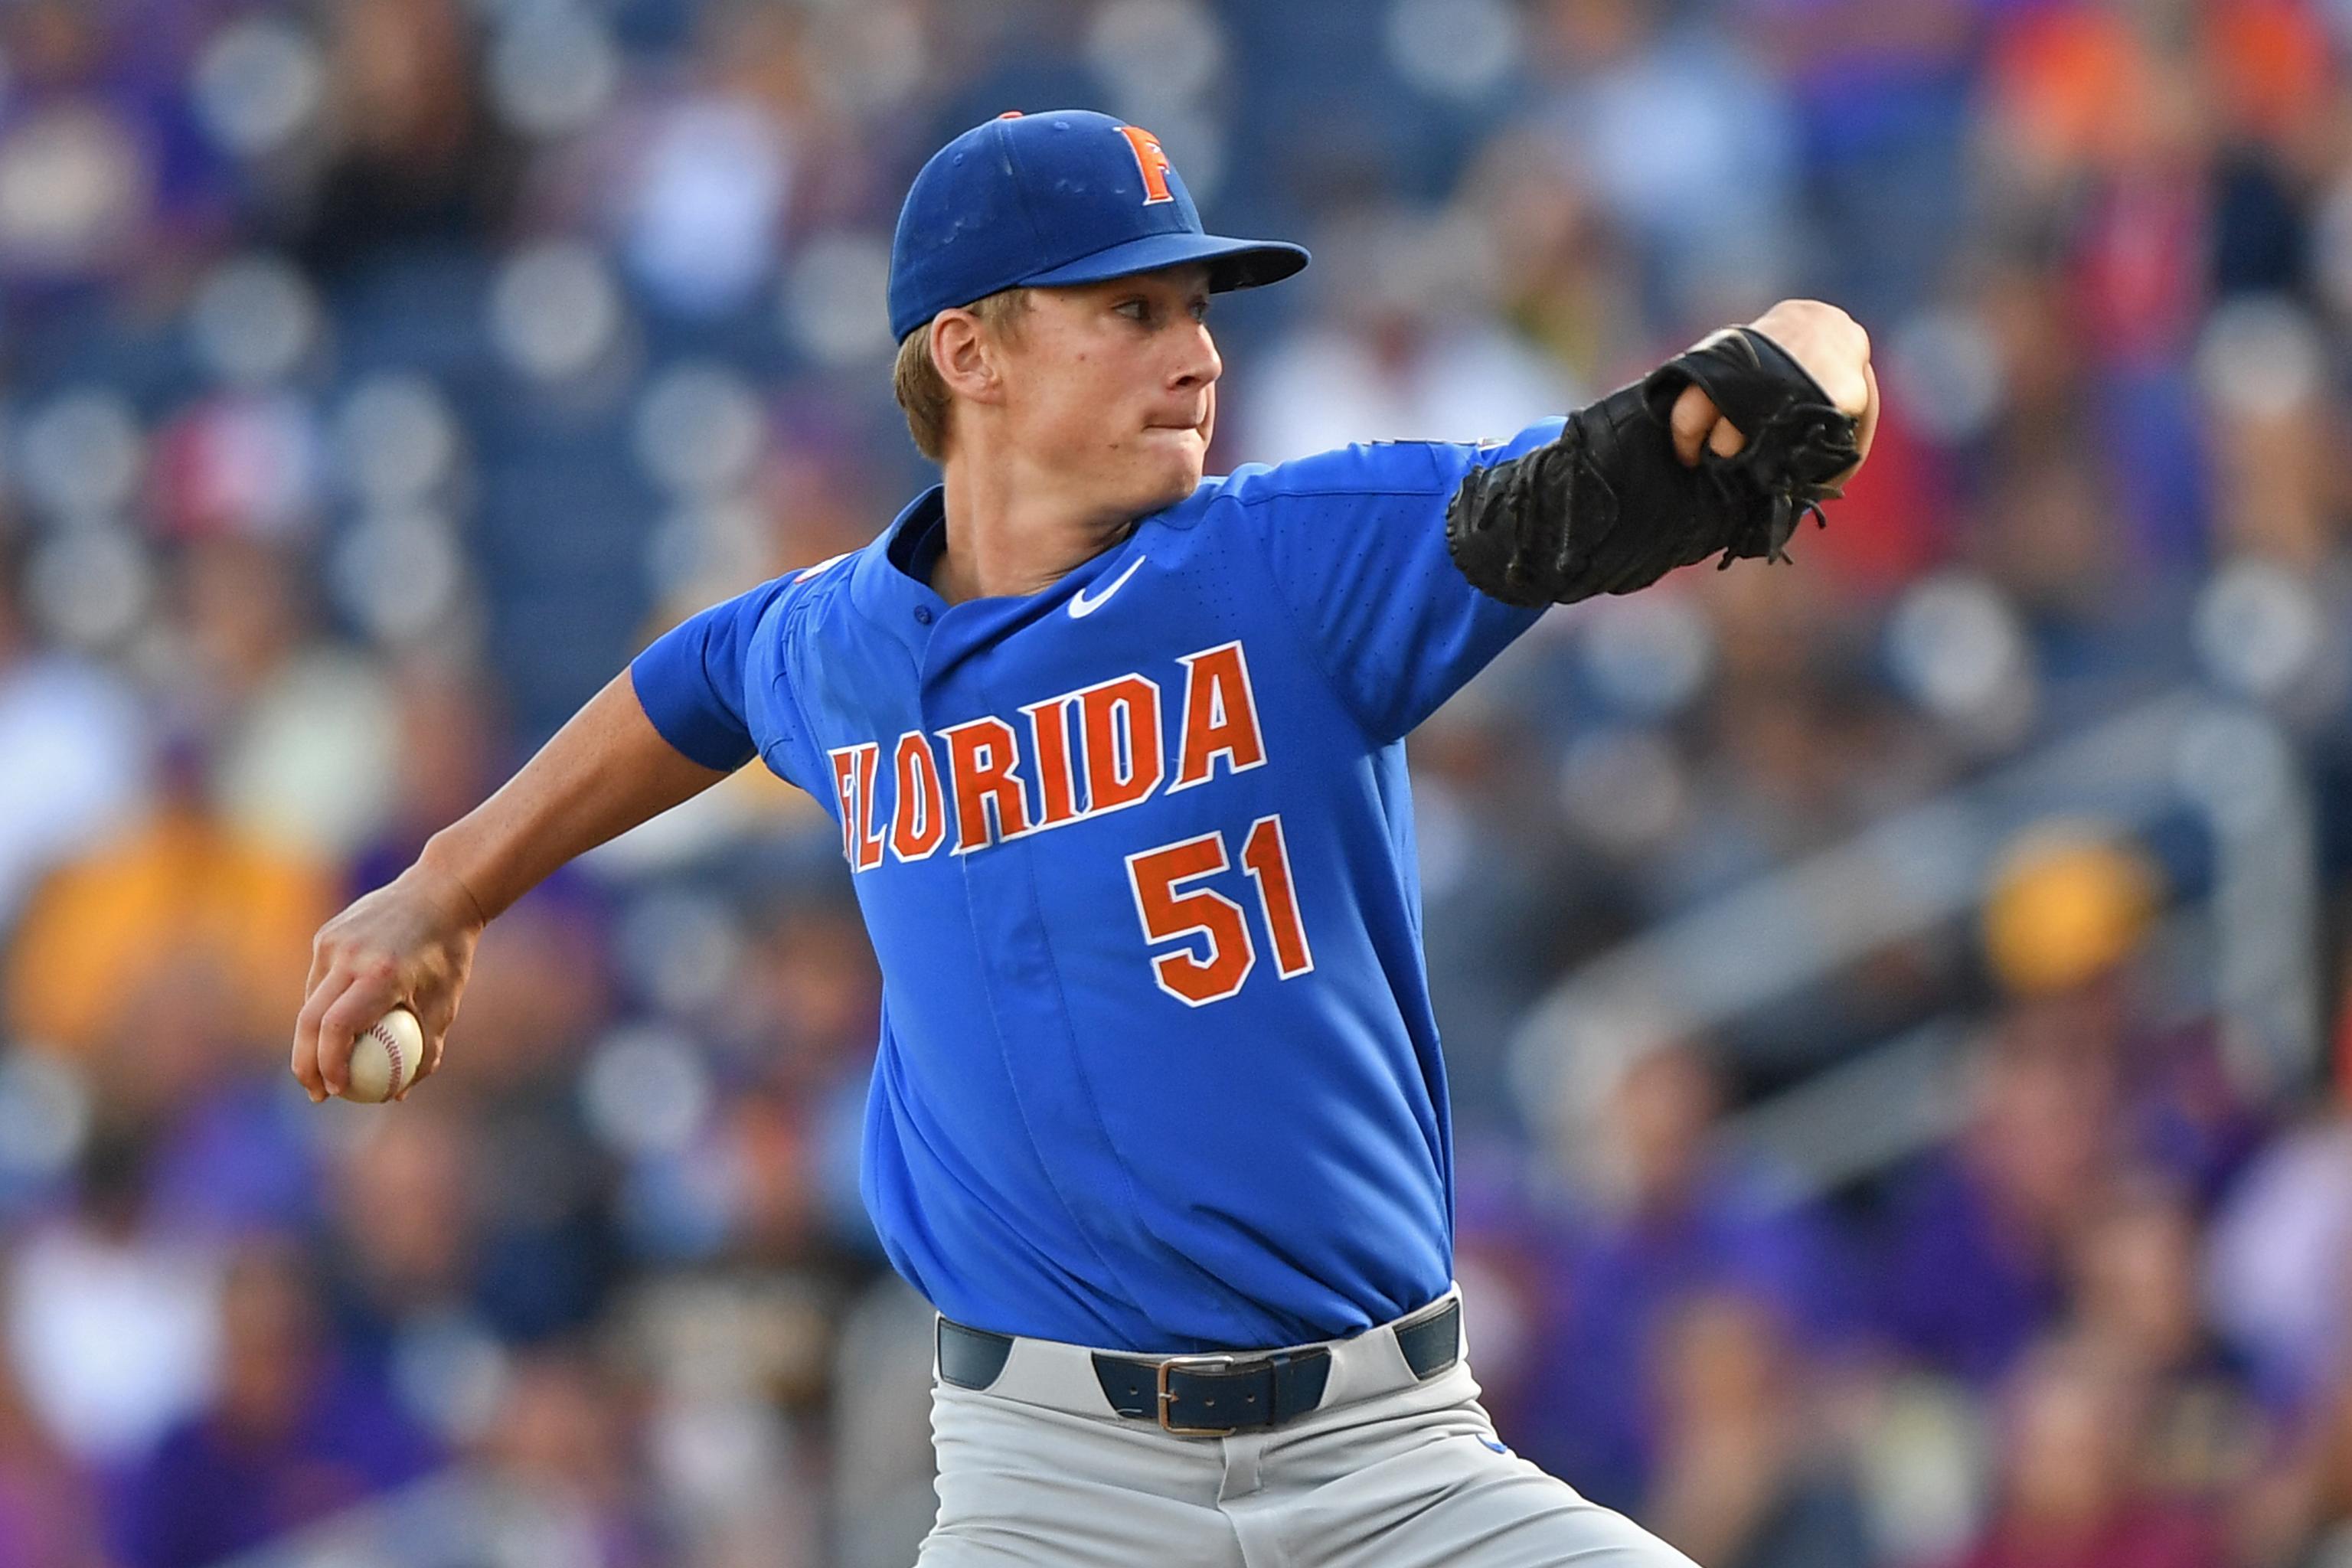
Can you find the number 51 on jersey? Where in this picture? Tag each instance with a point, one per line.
(1218, 953)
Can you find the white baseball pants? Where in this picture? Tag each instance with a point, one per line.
(1037, 1471)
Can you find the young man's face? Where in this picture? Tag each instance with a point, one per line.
(1112, 386)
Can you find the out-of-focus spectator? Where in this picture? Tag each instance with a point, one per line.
(2262, 384)
(414, 156)
(701, 208)
(228, 1152)
(1880, 99)
(182, 891)
(404, 1260)
(73, 734)
(111, 1323)
(541, 1188)
(290, 1434)
(1686, 141)
(2301, 1513)
(2070, 1490)
(301, 731)
(2280, 1268)
(1401, 357)
(800, 1015)
(2067, 924)
(1563, 277)
(443, 750)
(1667, 1214)
(2134, 1273)
(1501, 917)
(2071, 1088)
(99, 160)
(1797, 747)
(881, 1438)
(49, 1509)
(1749, 1475)
(1975, 1240)
(564, 1437)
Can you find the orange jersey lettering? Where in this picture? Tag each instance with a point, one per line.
(1220, 716)
(991, 804)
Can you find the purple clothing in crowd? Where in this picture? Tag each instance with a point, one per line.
(1589, 1415)
(1960, 1290)
(206, 1492)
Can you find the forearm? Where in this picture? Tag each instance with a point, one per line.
(607, 770)
(1552, 526)
(1663, 472)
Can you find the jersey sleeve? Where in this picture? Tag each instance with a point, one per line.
(691, 680)
(1355, 543)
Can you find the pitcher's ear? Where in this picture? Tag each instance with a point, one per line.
(964, 357)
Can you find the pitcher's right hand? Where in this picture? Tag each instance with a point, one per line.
(409, 943)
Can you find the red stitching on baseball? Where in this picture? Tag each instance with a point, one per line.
(391, 1048)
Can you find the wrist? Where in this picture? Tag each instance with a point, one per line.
(443, 867)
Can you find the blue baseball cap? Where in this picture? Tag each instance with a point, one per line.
(1065, 197)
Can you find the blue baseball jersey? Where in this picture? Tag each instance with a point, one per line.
(1158, 1069)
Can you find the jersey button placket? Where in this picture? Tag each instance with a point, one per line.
(922, 615)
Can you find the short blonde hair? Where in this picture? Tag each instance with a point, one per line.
(915, 380)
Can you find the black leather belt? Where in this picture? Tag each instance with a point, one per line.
(1212, 1395)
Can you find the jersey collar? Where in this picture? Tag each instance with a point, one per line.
(890, 585)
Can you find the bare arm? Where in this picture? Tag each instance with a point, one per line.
(412, 942)
(607, 770)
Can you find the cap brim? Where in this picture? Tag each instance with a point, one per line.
(1233, 263)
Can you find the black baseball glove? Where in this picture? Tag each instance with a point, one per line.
(1607, 507)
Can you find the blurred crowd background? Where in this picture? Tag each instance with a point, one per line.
(1892, 1001)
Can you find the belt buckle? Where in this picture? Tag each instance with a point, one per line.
(1192, 1364)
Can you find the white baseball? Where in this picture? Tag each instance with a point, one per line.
(385, 1059)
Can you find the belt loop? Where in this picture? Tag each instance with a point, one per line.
(1434, 1343)
(971, 1358)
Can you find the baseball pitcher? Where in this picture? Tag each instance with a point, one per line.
(1158, 1121)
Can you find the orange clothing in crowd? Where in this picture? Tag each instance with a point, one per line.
(181, 893)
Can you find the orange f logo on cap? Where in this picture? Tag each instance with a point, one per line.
(1151, 160)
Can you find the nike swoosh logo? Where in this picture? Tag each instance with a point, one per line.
(1081, 607)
